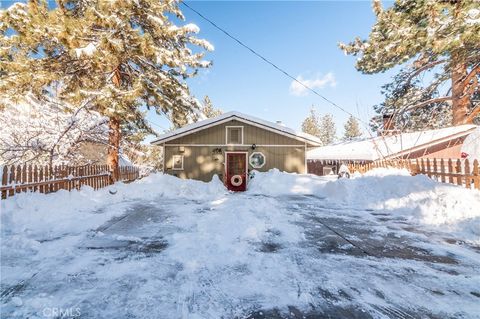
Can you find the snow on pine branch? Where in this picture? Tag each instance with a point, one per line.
(87, 50)
(47, 131)
(125, 54)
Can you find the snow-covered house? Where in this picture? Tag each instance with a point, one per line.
(440, 143)
(232, 144)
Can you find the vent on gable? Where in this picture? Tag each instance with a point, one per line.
(234, 134)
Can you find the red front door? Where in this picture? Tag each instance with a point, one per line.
(236, 171)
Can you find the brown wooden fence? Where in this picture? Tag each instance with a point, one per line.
(456, 171)
(45, 179)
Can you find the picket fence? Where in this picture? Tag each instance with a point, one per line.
(46, 179)
(456, 171)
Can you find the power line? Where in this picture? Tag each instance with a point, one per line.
(270, 62)
(160, 126)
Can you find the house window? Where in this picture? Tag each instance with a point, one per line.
(178, 162)
(257, 160)
(329, 170)
(234, 134)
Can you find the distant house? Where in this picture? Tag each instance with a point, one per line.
(230, 146)
(440, 143)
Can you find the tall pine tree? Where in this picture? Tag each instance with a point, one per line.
(208, 109)
(328, 130)
(352, 129)
(439, 39)
(116, 55)
(311, 124)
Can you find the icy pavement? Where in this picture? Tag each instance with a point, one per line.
(241, 256)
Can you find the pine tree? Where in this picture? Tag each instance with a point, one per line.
(352, 129)
(208, 109)
(115, 55)
(311, 124)
(438, 38)
(327, 129)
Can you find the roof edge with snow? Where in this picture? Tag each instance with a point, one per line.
(389, 146)
(223, 118)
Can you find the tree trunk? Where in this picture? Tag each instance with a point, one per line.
(460, 100)
(50, 161)
(113, 146)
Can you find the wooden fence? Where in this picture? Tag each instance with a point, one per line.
(456, 171)
(45, 179)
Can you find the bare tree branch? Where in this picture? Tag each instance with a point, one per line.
(423, 68)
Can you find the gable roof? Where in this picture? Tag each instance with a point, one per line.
(223, 118)
(371, 149)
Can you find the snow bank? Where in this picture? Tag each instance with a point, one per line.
(223, 248)
(418, 199)
(51, 215)
(275, 183)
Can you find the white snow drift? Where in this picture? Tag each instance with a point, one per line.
(419, 199)
(216, 261)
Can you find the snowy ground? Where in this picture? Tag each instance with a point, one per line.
(384, 245)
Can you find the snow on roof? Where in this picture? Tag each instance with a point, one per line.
(371, 149)
(471, 145)
(190, 128)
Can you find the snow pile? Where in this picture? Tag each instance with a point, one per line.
(418, 199)
(51, 215)
(183, 248)
(275, 182)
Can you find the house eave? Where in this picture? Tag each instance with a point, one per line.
(172, 135)
(430, 144)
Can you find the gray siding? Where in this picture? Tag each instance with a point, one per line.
(251, 135)
(199, 161)
(282, 152)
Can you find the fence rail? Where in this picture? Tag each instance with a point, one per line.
(46, 179)
(456, 171)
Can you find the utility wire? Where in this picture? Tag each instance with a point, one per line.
(270, 62)
(278, 68)
(295, 79)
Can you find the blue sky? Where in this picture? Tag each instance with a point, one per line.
(299, 36)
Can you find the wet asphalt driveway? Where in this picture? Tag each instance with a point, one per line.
(245, 256)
